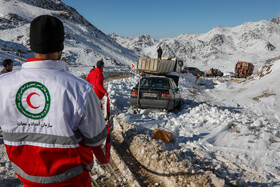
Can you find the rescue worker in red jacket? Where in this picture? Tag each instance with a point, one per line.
(56, 118)
(96, 78)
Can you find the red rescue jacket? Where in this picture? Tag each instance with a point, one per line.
(96, 78)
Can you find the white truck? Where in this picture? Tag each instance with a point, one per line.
(158, 66)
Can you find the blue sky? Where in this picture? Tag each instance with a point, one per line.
(170, 18)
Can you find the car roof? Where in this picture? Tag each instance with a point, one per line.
(191, 67)
(156, 77)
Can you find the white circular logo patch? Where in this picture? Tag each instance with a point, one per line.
(33, 100)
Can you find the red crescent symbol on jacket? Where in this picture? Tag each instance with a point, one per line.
(28, 100)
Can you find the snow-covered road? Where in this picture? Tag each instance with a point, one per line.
(237, 143)
(222, 133)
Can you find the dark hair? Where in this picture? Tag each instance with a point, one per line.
(99, 64)
(7, 62)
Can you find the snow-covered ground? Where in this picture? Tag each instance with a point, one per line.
(232, 124)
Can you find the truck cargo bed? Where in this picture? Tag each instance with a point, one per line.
(155, 65)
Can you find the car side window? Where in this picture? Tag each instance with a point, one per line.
(172, 84)
(144, 83)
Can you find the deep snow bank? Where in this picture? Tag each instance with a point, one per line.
(236, 143)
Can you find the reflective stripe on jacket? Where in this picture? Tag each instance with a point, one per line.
(49, 117)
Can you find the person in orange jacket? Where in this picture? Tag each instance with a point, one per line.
(96, 78)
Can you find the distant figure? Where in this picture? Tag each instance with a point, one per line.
(215, 72)
(159, 51)
(8, 66)
(96, 78)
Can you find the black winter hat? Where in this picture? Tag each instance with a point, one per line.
(46, 34)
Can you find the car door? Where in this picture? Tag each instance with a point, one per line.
(175, 91)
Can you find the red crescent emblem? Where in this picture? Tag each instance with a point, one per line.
(28, 100)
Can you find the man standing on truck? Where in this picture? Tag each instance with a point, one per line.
(57, 118)
(159, 51)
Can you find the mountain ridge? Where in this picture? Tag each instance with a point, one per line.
(218, 48)
(84, 43)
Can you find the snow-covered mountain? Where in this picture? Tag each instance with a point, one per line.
(84, 43)
(220, 48)
(226, 127)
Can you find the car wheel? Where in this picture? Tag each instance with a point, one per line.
(171, 105)
(179, 104)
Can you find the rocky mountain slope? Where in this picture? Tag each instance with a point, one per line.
(221, 47)
(84, 43)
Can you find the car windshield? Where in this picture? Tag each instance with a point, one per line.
(154, 83)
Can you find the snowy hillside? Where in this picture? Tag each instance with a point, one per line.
(260, 93)
(220, 48)
(226, 126)
(84, 43)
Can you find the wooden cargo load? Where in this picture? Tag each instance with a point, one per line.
(156, 66)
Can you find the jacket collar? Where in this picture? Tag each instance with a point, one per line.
(44, 64)
(98, 69)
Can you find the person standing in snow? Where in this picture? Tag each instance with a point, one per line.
(96, 78)
(57, 118)
(8, 66)
(159, 51)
